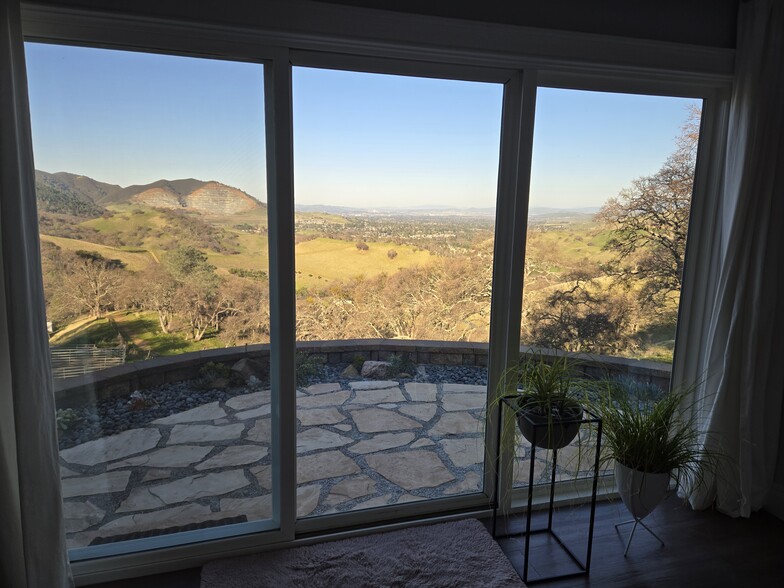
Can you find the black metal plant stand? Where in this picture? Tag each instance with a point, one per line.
(584, 566)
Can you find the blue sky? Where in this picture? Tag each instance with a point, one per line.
(359, 139)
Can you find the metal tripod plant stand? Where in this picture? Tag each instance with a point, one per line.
(634, 528)
(641, 492)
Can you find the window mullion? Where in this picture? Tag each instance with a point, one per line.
(280, 190)
(511, 224)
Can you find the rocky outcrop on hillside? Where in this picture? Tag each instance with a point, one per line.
(159, 198)
(217, 198)
(211, 198)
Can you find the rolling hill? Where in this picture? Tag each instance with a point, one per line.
(67, 193)
(64, 193)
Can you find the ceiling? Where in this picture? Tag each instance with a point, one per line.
(709, 23)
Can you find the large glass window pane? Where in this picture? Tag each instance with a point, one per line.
(396, 181)
(610, 199)
(151, 192)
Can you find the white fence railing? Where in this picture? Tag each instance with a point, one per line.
(77, 360)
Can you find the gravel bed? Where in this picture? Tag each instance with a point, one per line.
(115, 415)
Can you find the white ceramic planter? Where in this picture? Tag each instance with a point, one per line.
(641, 492)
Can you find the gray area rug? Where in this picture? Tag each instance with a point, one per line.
(446, 555)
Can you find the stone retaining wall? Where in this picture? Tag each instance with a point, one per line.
(124, 379)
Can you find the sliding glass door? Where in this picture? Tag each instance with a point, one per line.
(152, 197)
(281, 297)
(609, 207)
(395, 191)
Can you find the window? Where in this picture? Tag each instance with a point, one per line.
(609, 206)
(370, 282)
(151, 189)
(396, 183)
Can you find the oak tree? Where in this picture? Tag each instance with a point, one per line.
(649, 221)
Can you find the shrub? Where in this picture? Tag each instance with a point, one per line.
(66, 418)
(400, 364)
(212, 370)
(308, 366)
(391, 254)
(140, 401)
(362, 246)
(358, 361)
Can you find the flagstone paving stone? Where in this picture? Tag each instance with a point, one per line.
(263, 475)
(254, 413)
(323, 388)
(318, 438)
(456, 402)
(408, 498)
(374, 384)
(456, 423)
(377, 420)
(173, 516)
(471, 483)
(256, 508)
(522, 471)
(423, 412)
(91, 485)
(234, 455)
(261, 432)
(378, 396)
(206, 412)
(80, 515)
(381, 442)
(419, 392)
(154, 475)
(113, 447)
(422, 443)
(307, 499)
(350, 488)
(411, 469)
(251, 400)
(374, 502)
(185, 489)
(320, 416)
(67, 473)
(344, 427)
(166, 457)
(328, 464)
(204, 433)
(464, 452)
(323, 400)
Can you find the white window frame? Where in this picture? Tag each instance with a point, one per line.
(522, 59)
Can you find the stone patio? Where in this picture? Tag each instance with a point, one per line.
(361, 445)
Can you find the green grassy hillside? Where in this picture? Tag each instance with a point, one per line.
(139, 330)
(319, 261)
(134, 259)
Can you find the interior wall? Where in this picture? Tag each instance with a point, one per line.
(710, 23)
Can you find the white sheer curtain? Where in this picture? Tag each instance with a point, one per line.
(32, 539)
(732, 341)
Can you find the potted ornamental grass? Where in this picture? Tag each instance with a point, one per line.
(546, 399)
(652, 439)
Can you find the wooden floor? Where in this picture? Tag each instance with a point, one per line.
(702, 549)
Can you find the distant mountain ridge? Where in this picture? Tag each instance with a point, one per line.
(539, 212)
(67, 193)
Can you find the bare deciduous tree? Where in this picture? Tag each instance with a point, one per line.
(649, 221)
(90, 280)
